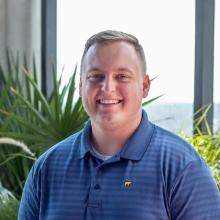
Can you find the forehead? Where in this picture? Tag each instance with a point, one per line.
(111, 55)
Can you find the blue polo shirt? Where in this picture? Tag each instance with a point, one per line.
(156, 176)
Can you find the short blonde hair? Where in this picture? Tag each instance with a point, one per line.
(109, 36)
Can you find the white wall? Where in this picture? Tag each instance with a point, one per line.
(2, 31)
(20, 29)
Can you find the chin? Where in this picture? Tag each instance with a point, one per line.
(109, 120)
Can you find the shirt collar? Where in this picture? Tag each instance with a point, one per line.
(139, 141)
(133, 149)
(85, 140)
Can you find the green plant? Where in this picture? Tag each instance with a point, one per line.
(5, 194)
(8, 205)
(9, 209)
(206, 143)
(208, 146)
(44, 122)
(21, 145)
(26, 115)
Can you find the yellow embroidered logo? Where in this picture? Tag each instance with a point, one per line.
(128, 183)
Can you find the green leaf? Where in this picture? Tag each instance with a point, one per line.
(151, 100)
(34, 112)
(70, 96)
(39, 96)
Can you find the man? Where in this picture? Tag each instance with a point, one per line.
(120, 166)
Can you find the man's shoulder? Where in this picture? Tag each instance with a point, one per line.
(172, 145)
(174, 157)
(61, 150)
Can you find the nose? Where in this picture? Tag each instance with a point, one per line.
(108, 84)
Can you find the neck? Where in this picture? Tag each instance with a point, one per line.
(110, 140)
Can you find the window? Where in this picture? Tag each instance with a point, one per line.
(166, 30)
(217, 69)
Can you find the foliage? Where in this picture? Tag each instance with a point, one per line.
(208, 146)
(206, 143)
(8, 205)
(151, 100)
(26, 115)
(13, 142)
(9, 209)
(5, 194)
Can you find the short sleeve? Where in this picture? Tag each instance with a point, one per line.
(29, 205)
(194, 194)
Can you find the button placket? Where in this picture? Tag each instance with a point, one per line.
(95, 190)
(97, 186)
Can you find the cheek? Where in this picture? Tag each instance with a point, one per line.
(137, 91)
(89, 92)
(133, 93)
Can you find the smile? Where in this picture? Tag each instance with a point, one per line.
(109, 101)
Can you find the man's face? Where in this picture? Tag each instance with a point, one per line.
(112, 84)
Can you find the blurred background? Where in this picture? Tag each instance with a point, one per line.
(41, 42)
(180, 39)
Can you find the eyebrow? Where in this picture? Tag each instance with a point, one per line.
(124, 69)
(121, 69)
(94, 69)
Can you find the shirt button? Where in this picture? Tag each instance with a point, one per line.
(97, 186)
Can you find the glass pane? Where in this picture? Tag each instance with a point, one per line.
(166, 31)
(217, 69)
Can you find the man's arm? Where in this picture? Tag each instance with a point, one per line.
(195, 194)
(29, 206)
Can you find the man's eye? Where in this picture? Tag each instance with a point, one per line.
(95, 77)
(123, 77)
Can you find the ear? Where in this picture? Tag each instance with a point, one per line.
(146, 85)
(80, 87)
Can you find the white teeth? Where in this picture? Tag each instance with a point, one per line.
(109, 101)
